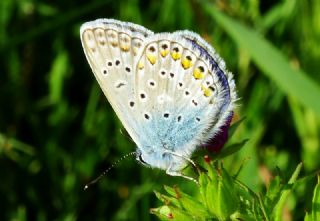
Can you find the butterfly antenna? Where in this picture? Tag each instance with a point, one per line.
(107, 170)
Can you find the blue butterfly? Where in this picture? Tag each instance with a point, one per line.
(171, 91)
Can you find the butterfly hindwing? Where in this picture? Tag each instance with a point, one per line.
(182, 97)
(222, 77)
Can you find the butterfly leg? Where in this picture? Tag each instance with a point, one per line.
(185, 158)
(171, 172)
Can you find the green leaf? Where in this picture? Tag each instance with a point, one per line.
(277, 212)
(172, 213)
(211, 196)
(315, 214)
(179, 214)
(203, 181)
(167, 200)
(194, 207)
(238, 216)
(273, 194)
(163, 212)
(225, 151)
(229, 196)
(229, 150)
(232, 129)
(222, 198)
(172, 191)
(190, 204)
(249, 202)
(270, 60)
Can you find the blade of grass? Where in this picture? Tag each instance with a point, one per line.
(277, 212)
(60, 20)
(316, 202)
(270, 60)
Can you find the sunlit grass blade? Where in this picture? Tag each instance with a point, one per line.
(315, 214)
(270, 60)
(278, 209)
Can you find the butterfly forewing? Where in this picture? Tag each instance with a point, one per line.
(112, 48)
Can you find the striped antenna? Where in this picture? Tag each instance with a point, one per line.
(107, 170)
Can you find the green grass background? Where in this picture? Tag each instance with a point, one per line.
(58, 132)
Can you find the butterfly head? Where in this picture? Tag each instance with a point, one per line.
(162, 159)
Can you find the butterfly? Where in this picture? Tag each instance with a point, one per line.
(171, 91)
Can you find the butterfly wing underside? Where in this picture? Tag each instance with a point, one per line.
(184, 95)
(112, 48)
(171, 91)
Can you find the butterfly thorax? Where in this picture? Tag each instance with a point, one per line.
(162, 158)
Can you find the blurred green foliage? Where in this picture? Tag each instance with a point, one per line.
(222, 197)
(57, 131)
